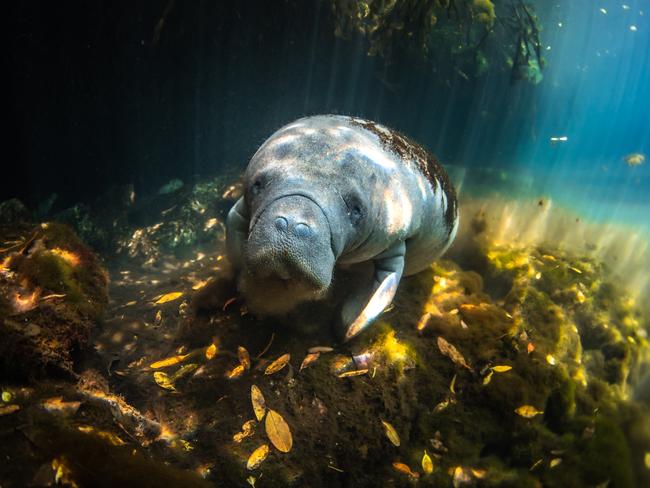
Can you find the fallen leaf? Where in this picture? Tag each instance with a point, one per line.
(424, 321)
(452, 353)
(163, 381)
(403, 468)
(228, 302)
(441, 406)
(8, 409)
(278, 431)
(183, 371)
(158, 319)
(211, 351)
(316, 349)
(309, 359)
(356, 372)
(460, 477)
(247, 430)
(501, 369)
(103, 434)
(278, 364)
(478, 473)
(530, 347)
(391, 433)
(550, 359)
(527, 411)
(488, 378)
(452, 385)
(244, 357)
(427, 463)
(164, 363)
(251, 481)
(259, 404)
(235, 372)
(56, 404)
(258, 457)
(169, 297)
(554, 462)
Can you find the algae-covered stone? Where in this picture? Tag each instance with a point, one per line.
(53, 289)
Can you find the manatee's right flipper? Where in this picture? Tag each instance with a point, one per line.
(389, 266)
(236, 232)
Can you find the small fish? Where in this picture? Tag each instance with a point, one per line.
(635, 159)
(556, 139)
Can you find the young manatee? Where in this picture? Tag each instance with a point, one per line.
(328, 191)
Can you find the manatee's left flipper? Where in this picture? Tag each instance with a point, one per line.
(236, 231)
(389, 266)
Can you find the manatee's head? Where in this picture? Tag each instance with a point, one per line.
(304, 207)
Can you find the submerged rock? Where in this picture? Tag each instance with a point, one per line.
(53, 289)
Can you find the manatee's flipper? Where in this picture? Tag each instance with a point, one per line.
(236, 231)
(389, 266)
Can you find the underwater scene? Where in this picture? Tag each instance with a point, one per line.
(326, 243)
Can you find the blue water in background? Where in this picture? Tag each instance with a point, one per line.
(596, 92)
(95, 102)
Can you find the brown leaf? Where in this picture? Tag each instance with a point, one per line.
(527, 411)
(259, 404)
(452, 353)
(391, 433)
(244, 357)
(278, 431)
(278, 364)
(309, 359)
(316, 349)
(403, 468)
(356, 372)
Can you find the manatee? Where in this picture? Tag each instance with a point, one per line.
(330, 191)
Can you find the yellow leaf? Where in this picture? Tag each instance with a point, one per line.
(405, 469)
(356, 372)
(163, 381)
(452, 353)
(391, 433)
(236, 372)
(211, 351)
(278, 431)
(164, 363)
(244, 357)
(259, 404)
(501, 369)
(258, 457)
(248, 429)
(427, 463)
(527, 411)
(488, 378)
(169, 297)
(309, 359)
(452, 385)
(7, 409)
(554, 462)
(550, 359)
(278, 364)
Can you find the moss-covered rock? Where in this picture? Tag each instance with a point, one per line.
(53, 289)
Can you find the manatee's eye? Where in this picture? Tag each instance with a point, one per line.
(356, 211)
(256, 187)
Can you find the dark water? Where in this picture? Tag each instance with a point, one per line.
(132, 123)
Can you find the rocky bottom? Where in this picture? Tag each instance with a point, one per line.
(504, 365)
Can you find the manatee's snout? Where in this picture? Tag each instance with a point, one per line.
(288, 254)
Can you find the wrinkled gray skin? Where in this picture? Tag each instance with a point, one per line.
(328, 191)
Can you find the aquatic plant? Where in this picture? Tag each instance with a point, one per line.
(464, 37)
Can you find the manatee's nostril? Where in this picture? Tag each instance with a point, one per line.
(281, 224)
(302, 230)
